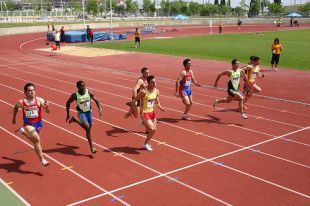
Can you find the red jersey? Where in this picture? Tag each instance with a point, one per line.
(186, 81)
(32, 113)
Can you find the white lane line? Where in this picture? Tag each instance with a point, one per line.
(244, 148)
(101, 67)
(204, 161)
(127, 158)
(63, 165)
(14, 192)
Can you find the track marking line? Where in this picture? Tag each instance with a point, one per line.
(160, 143)
(118, 154)
(63, 165)
(67, 168)
(9, 183)
(99, 81)
(13, 191)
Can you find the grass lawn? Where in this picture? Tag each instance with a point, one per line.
(295, 54)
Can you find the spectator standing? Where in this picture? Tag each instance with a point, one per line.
(57, 39)
(62, 34)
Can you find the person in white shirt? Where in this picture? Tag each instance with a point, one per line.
(57, 39)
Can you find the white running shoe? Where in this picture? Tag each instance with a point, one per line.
(45, 162)
(20, 130)
(244, 116)
(185, 117)
(148, 147)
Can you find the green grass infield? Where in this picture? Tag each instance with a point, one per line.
(225, 47)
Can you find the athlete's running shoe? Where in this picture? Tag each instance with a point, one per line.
(45, 162)
(148, 147)
(244, 116)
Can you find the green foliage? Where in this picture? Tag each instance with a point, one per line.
(131, 7)
(228, 46)
(277, 1)
(194, 8)
(147, 6)
(243, 5)
(92, 7)
(304, 7)
(222, 2)
(239, 11)
(216, 2)
(224, 9)
(10, 5)
(209, 10)
(76, 5)
(254, 8)
(276, 9)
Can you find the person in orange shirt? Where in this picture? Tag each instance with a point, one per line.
(137, 38)
(276, 49)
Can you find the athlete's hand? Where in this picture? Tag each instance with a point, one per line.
(198, 84)
(100, 112)
(68, 117)
(46, 103)
(177, 94)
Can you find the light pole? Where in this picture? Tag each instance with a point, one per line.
(83, 12)
(111, 33)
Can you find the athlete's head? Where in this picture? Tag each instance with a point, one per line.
(151, 81)
(187, 63)
(80, 85)
(29, 90)
(256, 61)
(145, 72)
(235, 63)
(276, 41)
(251, 59)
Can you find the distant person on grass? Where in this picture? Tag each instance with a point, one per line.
(32, 106)
(276, 49)
(234, 75)
(183, 87)
(140, 85)
(137, 38)
(221, 27)
(83, 106)
(149, 97)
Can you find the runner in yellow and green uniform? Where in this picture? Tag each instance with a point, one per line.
(149, 98)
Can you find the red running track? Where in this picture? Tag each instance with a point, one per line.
(215, 159)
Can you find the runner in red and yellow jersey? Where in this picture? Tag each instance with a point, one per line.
(149, 98)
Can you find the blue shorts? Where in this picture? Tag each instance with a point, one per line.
(86, 117)
(37, 125)
(185, 92)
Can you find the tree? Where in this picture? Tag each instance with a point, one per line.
(224, 9)
(222, 2)
(147, 6)
(228, 3)
(216, 2)
(76, 5)
(92, 7)
(254, 8)
(277, 1)
(194, 8)
(243, 5)
(130, 6)
(209, 10)
(239, 11)
(10, 5)
(165, 6)
(304, 7)
(276, 9)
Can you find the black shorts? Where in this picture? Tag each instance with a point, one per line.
(137, 39)
(275, 58)
(57, 43)
(231, 90)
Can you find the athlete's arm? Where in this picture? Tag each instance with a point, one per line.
(44, 104)
(137, 86)
(177, 83)
(93, 97)
(158, 103)
(220, 75)
(69, 101)
(244, 76)
(15, 110)
(194, 80)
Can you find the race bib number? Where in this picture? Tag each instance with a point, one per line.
(84, 105)
(150, 103)
(188, 82)
(235, 80)
(31, 113)
(254, 75)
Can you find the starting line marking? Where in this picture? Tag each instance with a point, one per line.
(118, 154)
(66, 168)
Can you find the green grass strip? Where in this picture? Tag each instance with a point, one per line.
(225, 47)
(7, 197)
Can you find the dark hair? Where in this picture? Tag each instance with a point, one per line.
(29, 84)
(252, 58)
(144, 69)
(150, 78)
(256, 59)
(185, 62)
(79, 83)
(234, 61)
(276, 39)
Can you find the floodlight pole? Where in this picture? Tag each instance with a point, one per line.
(111, 33)
(83, 4)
